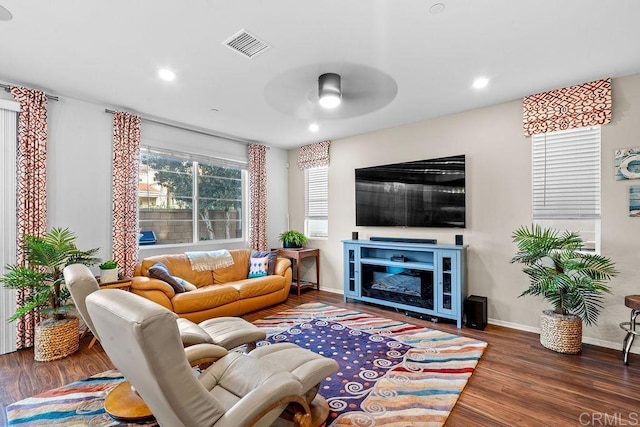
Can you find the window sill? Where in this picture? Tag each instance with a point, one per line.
(208, 244)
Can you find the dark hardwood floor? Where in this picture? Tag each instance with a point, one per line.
(516, 383)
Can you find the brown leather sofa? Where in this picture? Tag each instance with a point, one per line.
(221, 292)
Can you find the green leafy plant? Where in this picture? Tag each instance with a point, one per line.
(108, 265)
(574, 282)
(292, 238)
(46, 257)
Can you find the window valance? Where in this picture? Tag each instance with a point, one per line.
(583, 105)
(314, 155)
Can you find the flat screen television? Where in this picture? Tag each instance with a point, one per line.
(424, 193)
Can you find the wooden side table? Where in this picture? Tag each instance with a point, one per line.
(123, 283)
(296, 255)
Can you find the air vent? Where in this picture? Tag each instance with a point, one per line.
(246, 44)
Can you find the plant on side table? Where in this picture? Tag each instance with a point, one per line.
(108, 271)
(574, 282)
(292, 239)
(42, 278)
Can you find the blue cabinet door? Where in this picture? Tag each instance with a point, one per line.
(351, 271)
(446, 272)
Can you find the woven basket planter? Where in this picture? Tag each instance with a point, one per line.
(561, 333)
(56, 339)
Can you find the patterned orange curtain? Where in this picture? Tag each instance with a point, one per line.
(588, 104)
(31, 188)
(126, 159)
(314, 155)
(258, 196)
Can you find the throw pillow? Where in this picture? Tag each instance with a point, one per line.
(160, 271)
(258, 267)
(186, 285)
(273, 255)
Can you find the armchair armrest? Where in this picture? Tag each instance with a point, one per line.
(282, 264)
(200, 354)
(281, 389)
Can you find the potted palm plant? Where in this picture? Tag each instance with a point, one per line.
(574, 282)
(46, 256)
(292, 239)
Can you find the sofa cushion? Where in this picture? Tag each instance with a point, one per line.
(273, 255)
(237, 271)
(188, 286)
(258, 266)
(204, 298)
(160, 271)
(178, 265)
(249, 288)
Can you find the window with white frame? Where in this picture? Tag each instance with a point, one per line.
(186, 198)
(316, 202)
(566, 182)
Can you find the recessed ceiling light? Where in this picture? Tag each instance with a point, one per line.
(313, 127)
(166, 74)
(437, 8)
(480, 82)
(5, 15)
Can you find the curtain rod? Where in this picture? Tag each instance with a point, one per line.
(185, 127)
(7, 88)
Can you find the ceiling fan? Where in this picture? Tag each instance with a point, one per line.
(351, 90)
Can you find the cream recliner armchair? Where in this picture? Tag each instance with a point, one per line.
(142, 340)
(227, 332)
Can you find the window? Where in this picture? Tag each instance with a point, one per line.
(188, 199)
(316, 202)
(566, 182)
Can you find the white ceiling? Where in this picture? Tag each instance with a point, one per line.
(109, 52)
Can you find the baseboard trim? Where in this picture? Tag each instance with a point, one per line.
(512, 325)
(585, 340)
(333, 290)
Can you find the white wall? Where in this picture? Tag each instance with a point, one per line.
(79, 172)
(498, 201)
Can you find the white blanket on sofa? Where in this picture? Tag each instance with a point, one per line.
(209, 260)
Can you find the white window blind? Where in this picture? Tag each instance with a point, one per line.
(8, 142)
(566, 174)
(316, 202)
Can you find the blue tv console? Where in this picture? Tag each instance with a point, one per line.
(422, 278)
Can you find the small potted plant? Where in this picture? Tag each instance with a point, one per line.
(573, 281)
(292, 239)
(108, 271)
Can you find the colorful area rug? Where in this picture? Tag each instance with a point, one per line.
(77, 404)
(391, 372)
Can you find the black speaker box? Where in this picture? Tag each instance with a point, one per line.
(475, 309)
(459, 241)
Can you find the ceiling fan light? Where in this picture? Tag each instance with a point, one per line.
(330, 101)
(329, 90)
